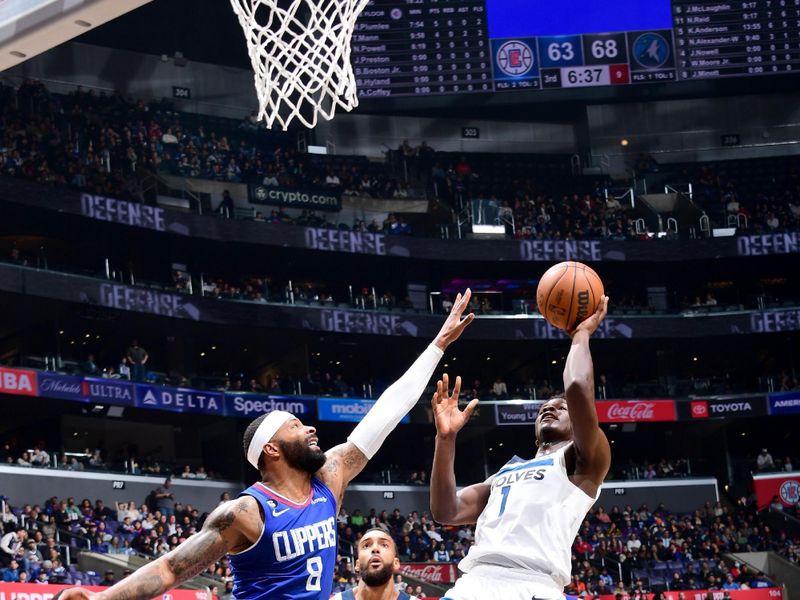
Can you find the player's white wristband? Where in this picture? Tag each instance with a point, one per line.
(398, 399)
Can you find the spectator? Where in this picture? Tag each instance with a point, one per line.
(124, 368)
(32, 557)
(137, 356)
(499, 389)
(101, 511)
(89, 366)
(11, 572)
(760, 581)
(24, 460)
(441, 554)
(187, 473)
(40, 458)
(108, 579)
(12, 546)
(226, 207)
(764, 461)
(96, 459)
(165, 499)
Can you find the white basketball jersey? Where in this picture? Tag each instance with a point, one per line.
(531, 519)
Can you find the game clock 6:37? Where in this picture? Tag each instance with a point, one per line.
(584, 76)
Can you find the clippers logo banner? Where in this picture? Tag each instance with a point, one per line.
(635, 411)
(784, 486)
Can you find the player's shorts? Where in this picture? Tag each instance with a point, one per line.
(486, 582)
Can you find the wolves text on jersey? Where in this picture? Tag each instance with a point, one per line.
(302, 540)
(515, 476)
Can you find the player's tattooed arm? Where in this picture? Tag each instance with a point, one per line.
(591, 444)
(232, 526)
(345, 461)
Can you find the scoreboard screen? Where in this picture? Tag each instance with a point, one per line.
(410, 47)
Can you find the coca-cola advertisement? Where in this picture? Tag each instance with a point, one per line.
(430, 572)
(635, 411)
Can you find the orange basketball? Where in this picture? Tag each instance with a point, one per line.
(568, 293)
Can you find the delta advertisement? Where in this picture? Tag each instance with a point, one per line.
(125, 393)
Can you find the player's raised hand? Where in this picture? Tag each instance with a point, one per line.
(455, 325)
(591, 324)
(449, 419)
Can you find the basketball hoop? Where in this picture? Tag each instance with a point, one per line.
(300, 52)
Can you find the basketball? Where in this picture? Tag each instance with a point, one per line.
(568, 293)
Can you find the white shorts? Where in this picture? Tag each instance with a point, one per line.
(487, 582)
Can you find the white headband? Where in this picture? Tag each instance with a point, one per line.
(265, 432)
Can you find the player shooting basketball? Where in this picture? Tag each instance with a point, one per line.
(529, 512)
(280, 533)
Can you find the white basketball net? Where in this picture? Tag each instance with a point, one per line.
(301, 57)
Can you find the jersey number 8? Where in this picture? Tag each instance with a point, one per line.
(314, 568)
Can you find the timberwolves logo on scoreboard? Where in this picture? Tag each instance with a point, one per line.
(515, 58)
(651, 50)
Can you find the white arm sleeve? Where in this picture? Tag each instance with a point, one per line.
(398, 399)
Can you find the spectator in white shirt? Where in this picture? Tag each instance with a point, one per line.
(269, 179)
(332, 179)
(24, 460)
(764, 461)
(40, 458)
(12, 546)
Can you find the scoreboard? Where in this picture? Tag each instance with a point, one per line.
(410, 47)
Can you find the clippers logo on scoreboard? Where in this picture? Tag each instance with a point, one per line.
(515, 58)
(790, 492)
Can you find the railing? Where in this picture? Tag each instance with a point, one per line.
(622, 195)
(674, 189)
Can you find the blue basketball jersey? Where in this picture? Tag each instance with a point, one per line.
(295, 556)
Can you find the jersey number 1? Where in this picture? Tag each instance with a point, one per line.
(314, 568)
(504, 490)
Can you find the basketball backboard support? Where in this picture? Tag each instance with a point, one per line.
(30, 27)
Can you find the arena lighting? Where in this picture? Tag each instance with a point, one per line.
(489, 229)
(624, 142)
(723, 232)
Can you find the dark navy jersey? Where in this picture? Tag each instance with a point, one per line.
(295, 556)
